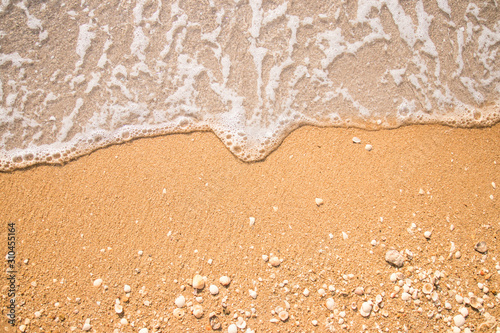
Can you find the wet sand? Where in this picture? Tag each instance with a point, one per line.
(185, 202)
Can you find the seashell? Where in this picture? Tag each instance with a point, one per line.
(481, 247)
(359, 291)
(198, 282)
(180, 301)
(214, 321)
(475, 303)
(427, 288)
(214, 290)
(179, 313)
(283, 315)
(330, 304)
(225, 280)
(394, 258)
(198, 311)
(366, 309)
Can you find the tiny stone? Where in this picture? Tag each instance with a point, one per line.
(127, 288)
(252, 293)
(394, 258)
(118, 308)
(275, 261)
(319, 201)
(459, 299)
(124, 321)
(458, 255)
(252, 221)
(359, 291)
(306, 292)
(315, 322)
(368, 147)
(427, 234)
(447, 306)
(356, 140)
(265, 258)
(464, 312)
(198, 311)
(344, 235)
(97, 282)
(143, 330)
(86, 326)
(405, 296)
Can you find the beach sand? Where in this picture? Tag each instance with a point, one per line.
(185, 201)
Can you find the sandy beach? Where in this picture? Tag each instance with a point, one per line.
(153, 213)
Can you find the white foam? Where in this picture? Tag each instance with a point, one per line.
(251, 72)
(85, 37)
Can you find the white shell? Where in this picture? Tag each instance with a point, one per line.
(180, 301)
(459, 320)
(427, 288)
(241, 323)
(97, 282)
(225, 280)
(252, 293)
(366, 309)
(283, 315)
(330, 304)
(127, 288)
(198, 282)
(232, 329)
(214, 290)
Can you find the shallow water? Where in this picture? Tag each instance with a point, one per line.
(79, 75)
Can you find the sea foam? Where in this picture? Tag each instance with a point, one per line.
(76, 77)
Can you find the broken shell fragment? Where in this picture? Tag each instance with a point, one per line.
(179, 313)
(427, 288)
(366, 309)
(225, 280)
(198, 282)
(481, 247)
(283, 315)
(214, 321)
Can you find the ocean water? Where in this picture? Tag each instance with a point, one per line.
(76, 76)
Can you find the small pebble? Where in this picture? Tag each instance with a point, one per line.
(252, 293)
(458, 255)
(315, 322)
(118, 308)
(344, 235)
(306, 292)
(359, 291)
(319, 201)
(427, 234)
(124, 321)
(97, 282)
(265, 258)
(127, 288)
(252, 221)
(405, 296)
(356, 140)
(394, 258)
(368, 147)
(275, 261)
(464, 312)
(144, 330)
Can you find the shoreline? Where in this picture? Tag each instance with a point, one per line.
(184, 199)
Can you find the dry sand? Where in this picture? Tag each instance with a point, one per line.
(185, 199)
